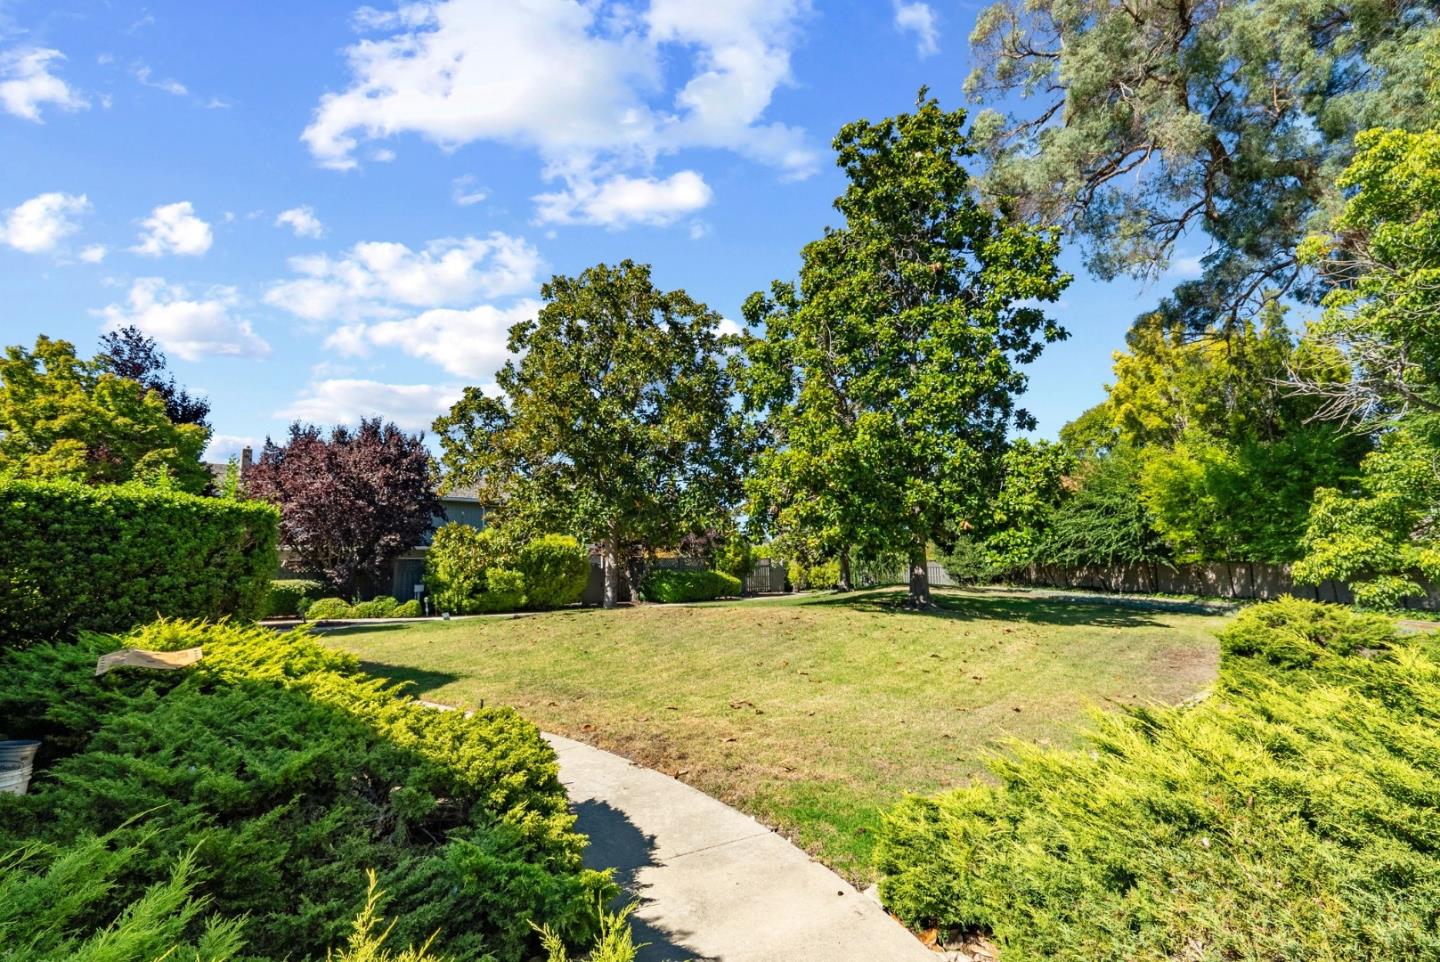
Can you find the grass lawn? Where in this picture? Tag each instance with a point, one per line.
(810, 712)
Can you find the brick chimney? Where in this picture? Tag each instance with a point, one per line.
(247, 457)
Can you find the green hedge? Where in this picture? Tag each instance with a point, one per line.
(1290, 815)
(106, 558)
(469, 571)
(288, 596)
(336, 609)
(277, 774)
(554, 569)
(668, 585)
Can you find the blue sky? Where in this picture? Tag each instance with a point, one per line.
(325, 210)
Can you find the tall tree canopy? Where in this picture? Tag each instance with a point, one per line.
(1382, 534)
(889, 376)
(131, 354)
(64, 417)
(1143, 122)
(615, 425)
(350, 502)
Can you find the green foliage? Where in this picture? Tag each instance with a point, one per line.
(615, 942)
(458, 564)
(49, 899)
(1031, 487)
(104, 558)
(381, 607)
(1288, 816)
(1105, 521)
(1142, 124)
(554, 569)
(407, 609)
(615, 423)
(282, 774)
(887, 378)
(287, 596)
(327, 609)
(1383, 256)
(736, 557)
(1380, 539)
(1216, 501)
(808, 577)
(668, 585)
(62, 418)
(473, 572)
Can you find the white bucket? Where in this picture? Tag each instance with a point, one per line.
(15, 781)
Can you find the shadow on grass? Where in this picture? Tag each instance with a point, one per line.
(617, 844)
(417, 681)
(1006, 607)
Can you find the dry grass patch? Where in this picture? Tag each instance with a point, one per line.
(809, 712)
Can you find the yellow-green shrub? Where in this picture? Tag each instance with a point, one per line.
(284, 774)
(1293, 814)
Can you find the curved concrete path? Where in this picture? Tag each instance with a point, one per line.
(714, 884)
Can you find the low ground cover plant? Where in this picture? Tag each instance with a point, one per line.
(1290, 815)
(252, 792)
(669, 585)
(106, 558)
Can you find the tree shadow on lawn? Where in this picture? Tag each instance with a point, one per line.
(617, 844)
(417, 681)
(1049, 611)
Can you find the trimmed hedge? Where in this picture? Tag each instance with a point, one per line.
(276, 774)
(554, 569)
(106, 558)
(288, 596)
(1290, 815)
(469, 571)
(669, 585)
(335, 609)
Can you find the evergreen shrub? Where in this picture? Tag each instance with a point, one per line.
(554, 569)
(258, 787)
(1291, 814)
(77, 557)
(288, 596)
(669, 585)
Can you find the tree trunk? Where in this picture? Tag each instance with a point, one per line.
(610, 563)
(845, 581)
(919, 578)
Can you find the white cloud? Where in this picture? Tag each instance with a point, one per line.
(464, 191)
(174, 229)
(40, 223)
(621, 200)
(223, 447)
(301, 220)
(189, 327)
(381, 280)
(913, 16)
(94, 254)
(26, 82)
(1187, 268)
(470, 343)
(345, 401)
(458, 71)
(143, 75)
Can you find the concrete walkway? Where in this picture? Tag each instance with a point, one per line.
(714, 884)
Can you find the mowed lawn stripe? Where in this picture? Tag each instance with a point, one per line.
(810, 712)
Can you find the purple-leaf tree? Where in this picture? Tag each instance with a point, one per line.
(350, 503)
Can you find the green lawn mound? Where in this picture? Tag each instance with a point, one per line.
(233, 810)
(1293, 814)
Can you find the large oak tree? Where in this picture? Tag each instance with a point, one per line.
(615, 424)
